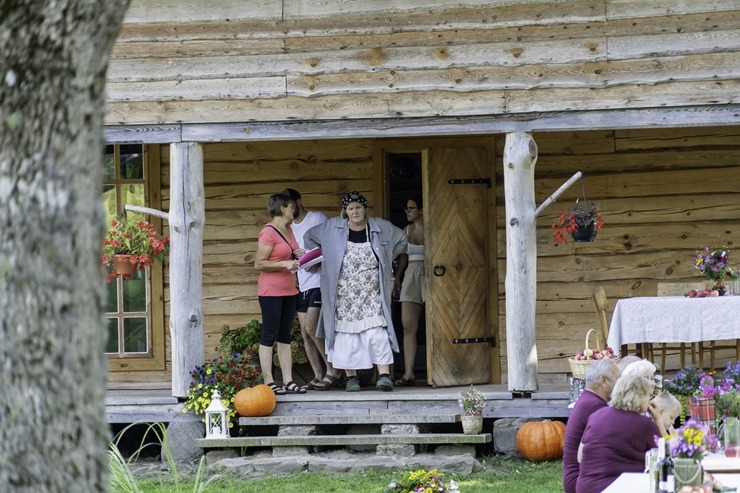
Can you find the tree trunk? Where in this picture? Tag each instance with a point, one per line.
(53, 59)
(520, 157)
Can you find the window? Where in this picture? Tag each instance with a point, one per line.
(134, 323)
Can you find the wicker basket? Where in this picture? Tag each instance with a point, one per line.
(579, 367)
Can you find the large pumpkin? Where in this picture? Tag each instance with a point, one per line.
(541, 440)
(255, 401)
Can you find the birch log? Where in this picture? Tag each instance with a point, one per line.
(187, 219)
(520, 157)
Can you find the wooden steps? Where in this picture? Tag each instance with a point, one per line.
(351, 419)
(396, 431)
(338, 440)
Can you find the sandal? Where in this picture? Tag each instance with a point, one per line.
(403, 381)
(314, 384)
(328, 382)
(275, 388)
(292, 388)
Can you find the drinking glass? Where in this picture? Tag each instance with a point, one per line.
(732, 437)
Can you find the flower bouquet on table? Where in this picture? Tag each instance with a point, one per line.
(688, 446)
(713, 263)
(422, 481)
(136, 243)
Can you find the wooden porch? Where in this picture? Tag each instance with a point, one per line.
(158, 405)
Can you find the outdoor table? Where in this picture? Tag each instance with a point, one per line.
(719, 463)
(672, 319)
(637, 482)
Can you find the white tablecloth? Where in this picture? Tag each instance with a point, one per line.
(674, 319)
(719, 463)
(636, 482)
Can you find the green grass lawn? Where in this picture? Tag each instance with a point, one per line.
(499, 474)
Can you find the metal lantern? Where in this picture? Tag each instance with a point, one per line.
(217, 418)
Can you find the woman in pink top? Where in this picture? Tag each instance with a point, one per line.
(277, 251)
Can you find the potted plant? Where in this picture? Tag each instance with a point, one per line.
(472, 403)
(687, 446)
(582, 221)
(712, 263)
(227, 374)
(246, 340)
(131, 245)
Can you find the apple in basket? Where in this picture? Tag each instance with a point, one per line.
(588, 354)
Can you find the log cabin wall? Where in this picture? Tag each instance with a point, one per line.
(283, 60)
(292, 61)
(665, 193)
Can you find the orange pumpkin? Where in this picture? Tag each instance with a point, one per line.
(541, 440)
(255, 401)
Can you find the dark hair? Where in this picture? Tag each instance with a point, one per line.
(417, 200)
(292, 193)
(276, 203)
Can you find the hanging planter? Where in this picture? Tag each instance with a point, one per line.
(581, 222)
(125, 265)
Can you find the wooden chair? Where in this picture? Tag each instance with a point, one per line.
(697, 348)
(601, 305)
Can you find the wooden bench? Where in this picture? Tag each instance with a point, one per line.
(301, 431)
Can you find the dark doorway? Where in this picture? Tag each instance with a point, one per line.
(404, 182)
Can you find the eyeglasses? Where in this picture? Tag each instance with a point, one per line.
(409, 209)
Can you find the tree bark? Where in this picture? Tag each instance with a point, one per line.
(53, 59)
(520, 157)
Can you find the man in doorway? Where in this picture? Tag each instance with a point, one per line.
(600, 379)
(309, 304)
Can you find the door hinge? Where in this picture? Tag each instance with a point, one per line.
(470, 181)
(476, 340)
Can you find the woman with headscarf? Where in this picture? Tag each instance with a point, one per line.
(356, 286)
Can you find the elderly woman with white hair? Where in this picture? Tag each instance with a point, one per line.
(664, 408)
(617, 436)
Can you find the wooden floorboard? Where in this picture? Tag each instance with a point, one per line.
(151, 405)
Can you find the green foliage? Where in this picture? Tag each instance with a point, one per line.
(228, 375)
(499, 473)
(243, 339)
(246, 339)
(123, 480)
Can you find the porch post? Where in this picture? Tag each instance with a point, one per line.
(520, 157)
(187, 218)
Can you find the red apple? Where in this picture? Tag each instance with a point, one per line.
(692, 293)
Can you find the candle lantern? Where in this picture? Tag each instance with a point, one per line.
(217, 418)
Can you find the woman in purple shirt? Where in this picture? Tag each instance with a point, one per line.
(617, 437)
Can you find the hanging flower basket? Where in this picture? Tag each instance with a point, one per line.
(125, 265)
(137, 240)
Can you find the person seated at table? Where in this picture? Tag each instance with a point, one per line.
(627, 360)
(646, 369)
(600, 379)
(664, 409)
(617, 436)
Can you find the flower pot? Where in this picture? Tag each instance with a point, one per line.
(123, 265)
(472, 425)
(687, 472)
(585, 233)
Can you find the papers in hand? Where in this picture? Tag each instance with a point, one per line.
(310, 258)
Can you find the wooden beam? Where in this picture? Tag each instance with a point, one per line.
(690, 116)
(520, 157)
(187, 218)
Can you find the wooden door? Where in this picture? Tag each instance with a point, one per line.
(457, 235)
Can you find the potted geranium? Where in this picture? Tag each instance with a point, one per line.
(581, 222)
(712, 263)
(472, 403)
(131, 245)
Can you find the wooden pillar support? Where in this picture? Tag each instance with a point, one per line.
(187, 219)
(520, 157)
